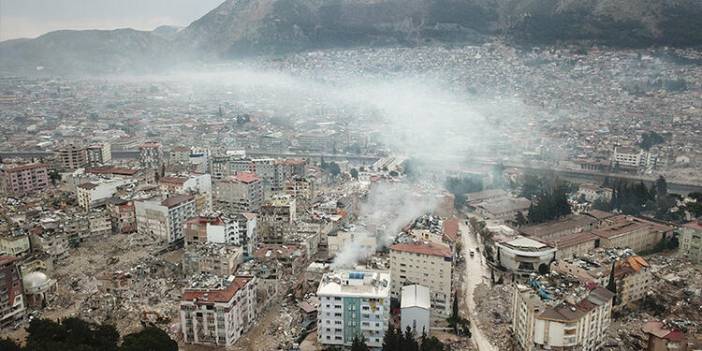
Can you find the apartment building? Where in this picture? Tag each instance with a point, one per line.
(219, 316)
(71, 157)
(691, 241)
(96, 193)
(99, 154)
(23, 179)
(165, 219)
(428, 264)
(631, 232)
(12, 306)
(240, 193)
(150, 155)
(575, 323)
(353, 304)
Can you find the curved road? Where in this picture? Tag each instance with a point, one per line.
(475, 272)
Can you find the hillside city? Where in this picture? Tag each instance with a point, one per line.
(482, 197)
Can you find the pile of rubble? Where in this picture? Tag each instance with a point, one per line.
(493, 310)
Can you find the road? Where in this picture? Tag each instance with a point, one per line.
(475, 272)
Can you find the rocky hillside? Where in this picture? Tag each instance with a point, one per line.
(84, 52)
(246, 27)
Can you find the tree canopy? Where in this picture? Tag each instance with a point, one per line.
(80, 335)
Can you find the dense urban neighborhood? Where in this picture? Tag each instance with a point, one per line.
(436, 197)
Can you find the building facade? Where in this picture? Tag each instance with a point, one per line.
(240, 193)
(219, 316)
(165, 219)
(12, 306)
(353, 304)
(427, 264)
(691, 241)
(23, 179)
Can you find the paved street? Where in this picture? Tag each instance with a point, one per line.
(475, 272)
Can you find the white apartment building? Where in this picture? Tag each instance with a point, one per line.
(239, 193)
(239, 230)
(353, 304)
(94, 194)
(427, 264)
(219, 316)
(560, 325)
(166, 218)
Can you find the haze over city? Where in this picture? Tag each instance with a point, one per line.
(387, 175)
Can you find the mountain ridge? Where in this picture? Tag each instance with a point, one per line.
(264, 27)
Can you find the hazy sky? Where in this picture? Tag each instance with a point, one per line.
(31, 18)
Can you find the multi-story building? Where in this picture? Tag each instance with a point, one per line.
(628, 157)
(240, 193)
(12, 307)
(427, 264)
(14, 243)
(72, 157)
(165, 219)
(214, 259)
(194, 183)
(219, 316)
(23, 179)
(122, 215)
(353, 304)
(542, 321)
(99, 154)
(691, 241)
(150, 155)
(523, 256)
(631, 232)
(95, 194)
(179, 155)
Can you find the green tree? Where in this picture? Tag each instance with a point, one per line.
(70, 334)
(359, 344)
(391, 340)
(430, 343)
(354, 173)
(7, 344)
(149, 339)
(408, 341)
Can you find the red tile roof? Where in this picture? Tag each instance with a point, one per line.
(173, 180)
(424, 248)
(112, 170)
(450, 229)
(246, 177)
(205, 296)
(20, 168)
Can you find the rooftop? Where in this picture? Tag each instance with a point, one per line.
(246, 177)
(176, 200)
(568, 223)
(222, 295)
(424, 248)
(372, 284)
(415, 296)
